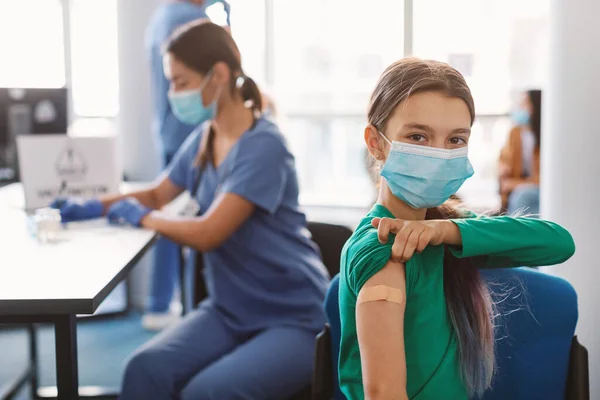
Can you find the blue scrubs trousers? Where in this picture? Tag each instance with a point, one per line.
(165, 270)
(203, 357)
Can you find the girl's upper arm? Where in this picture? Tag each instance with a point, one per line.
(380, 330)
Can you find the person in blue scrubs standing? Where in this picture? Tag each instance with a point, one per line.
(171, 133)
(254, 336)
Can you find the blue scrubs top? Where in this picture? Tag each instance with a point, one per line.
(269, 272)
(170, 132)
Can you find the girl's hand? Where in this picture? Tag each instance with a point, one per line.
(415, 236)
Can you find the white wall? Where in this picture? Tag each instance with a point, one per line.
(140, 158)
(571, 158)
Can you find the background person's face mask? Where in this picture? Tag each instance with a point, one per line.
(187, 105)
(422, 176)
(520, 116)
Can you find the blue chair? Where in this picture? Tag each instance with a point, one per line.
(534, 337)
(537, 355)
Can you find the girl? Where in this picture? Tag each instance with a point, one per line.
(417, 320)
(253, 338)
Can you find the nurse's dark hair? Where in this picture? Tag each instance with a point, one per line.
(468, 299)
(200, 45)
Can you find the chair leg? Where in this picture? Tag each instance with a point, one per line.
(323, 387)
(578, 376)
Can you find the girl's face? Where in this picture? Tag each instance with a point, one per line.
(427, 119)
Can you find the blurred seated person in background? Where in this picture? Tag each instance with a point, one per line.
(519, 166)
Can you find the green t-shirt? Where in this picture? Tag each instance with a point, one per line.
(433, 370)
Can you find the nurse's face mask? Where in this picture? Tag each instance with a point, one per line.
(424, 176)
(188, 107)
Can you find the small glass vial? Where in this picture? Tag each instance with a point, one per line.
(47, 224)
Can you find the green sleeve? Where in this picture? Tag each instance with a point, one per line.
(365, 256)
(514, 242)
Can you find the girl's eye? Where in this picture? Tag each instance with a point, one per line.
(417, 137)
(458, 141)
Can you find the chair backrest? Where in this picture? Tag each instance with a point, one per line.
(330, 239)
(534, 335)
(538, 315)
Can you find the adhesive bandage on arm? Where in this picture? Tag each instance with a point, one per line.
(380, 293)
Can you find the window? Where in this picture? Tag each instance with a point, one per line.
(248, 27)
(327, 56)
(500, 47)
(36, 57)
(95, 75)
(327, 64)
(31, 44)
(319, 60)
(322, 67)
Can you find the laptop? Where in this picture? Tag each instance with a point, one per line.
(59, 165)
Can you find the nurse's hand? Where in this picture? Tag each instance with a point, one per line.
(415, 236)
(128, 210)
(72, 209)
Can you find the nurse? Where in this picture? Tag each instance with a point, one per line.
(253, 338)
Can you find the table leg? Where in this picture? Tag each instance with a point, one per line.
(33, 358)
(65, 330)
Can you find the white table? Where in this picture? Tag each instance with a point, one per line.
(53, 282)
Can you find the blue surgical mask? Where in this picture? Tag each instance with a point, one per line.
(187, 105)
(425, 177)
(520, 116)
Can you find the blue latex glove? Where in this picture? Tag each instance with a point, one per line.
(72, 209)
(128, 210)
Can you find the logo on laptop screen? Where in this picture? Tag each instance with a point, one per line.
(71, 165)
